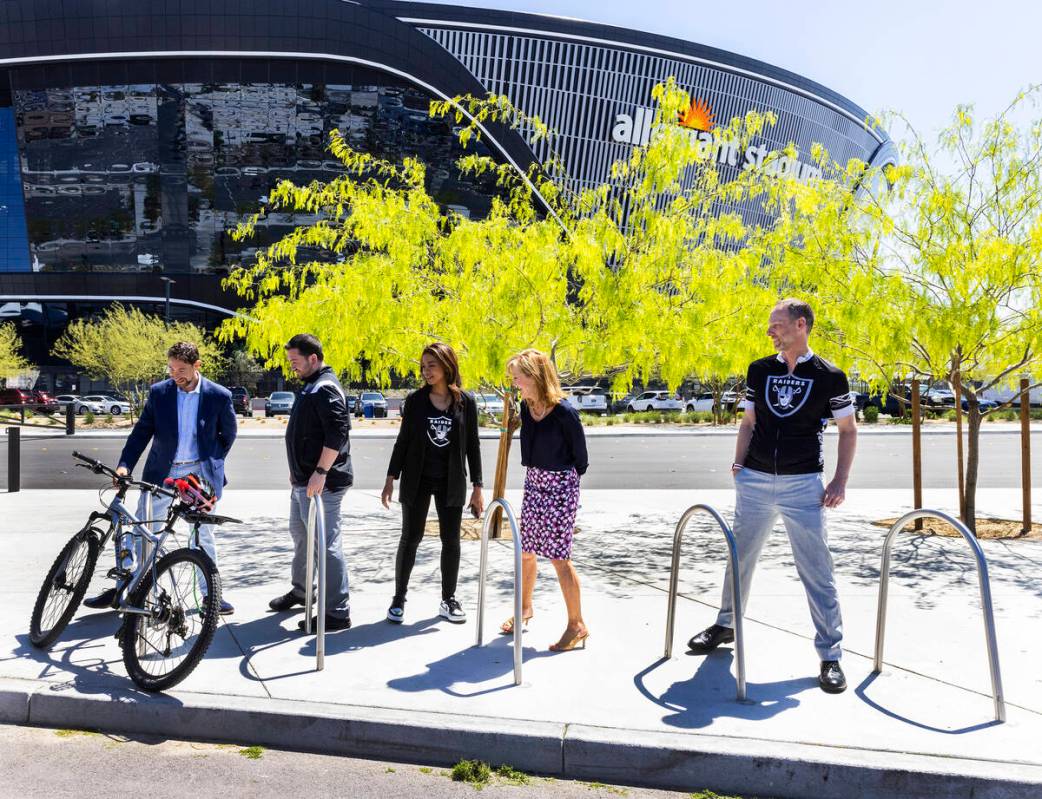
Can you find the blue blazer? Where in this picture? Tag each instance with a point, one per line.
(158, 424)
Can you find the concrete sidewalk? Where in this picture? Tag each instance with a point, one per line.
(616, 712)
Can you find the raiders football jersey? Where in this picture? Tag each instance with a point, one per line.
(792, 411)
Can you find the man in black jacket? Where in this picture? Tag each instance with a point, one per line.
(318, 448)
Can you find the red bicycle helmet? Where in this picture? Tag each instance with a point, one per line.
(194, 491)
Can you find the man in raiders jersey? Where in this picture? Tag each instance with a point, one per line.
(777, 470)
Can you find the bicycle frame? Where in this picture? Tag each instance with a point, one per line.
(119, 515)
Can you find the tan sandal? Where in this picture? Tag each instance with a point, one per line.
(507, 627)
(577, 642)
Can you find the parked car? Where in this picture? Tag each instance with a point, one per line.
(655, 401)
(80, 404)
(939, 397)
(621, 404)
(241, 401)
(374, 400)
(891, 406)
(16, 396)
(589, 399)
(699, 402)
(489, 403)
(45, 402)
(279, 402)
(108, 404)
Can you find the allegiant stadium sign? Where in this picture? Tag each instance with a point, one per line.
(636, 129)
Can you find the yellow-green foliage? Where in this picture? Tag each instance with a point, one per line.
(11, 361)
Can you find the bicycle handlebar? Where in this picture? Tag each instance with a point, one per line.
(125, 479)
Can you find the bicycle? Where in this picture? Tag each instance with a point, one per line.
(170, 600)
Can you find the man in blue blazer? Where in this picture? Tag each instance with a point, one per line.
(190, 422)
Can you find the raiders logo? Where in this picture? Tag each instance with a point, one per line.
(787, 393)
(438, 430)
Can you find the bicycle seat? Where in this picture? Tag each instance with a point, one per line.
(196, 517)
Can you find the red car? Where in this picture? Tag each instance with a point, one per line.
(16, 396)
(45, 402)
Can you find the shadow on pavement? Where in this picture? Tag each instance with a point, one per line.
(861, 693)
(710, 694)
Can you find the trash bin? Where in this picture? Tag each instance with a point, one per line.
(368, 409)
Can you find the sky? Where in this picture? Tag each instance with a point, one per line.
(920, 57)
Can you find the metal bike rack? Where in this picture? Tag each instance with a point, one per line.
(483, 572)
(145, 554)
(316, 540)
(736, 592)
(985, 597)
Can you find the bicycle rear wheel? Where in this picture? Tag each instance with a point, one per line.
(162, 648)
(63, 587)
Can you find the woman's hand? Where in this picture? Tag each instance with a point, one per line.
(388, 492)
(477, 502)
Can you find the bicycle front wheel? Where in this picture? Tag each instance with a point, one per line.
(182, 598)
(64, 587)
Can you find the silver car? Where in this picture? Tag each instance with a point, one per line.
(108, 404)
(279, 402)
(80, 404)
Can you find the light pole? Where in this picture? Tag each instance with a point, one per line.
(166, 312)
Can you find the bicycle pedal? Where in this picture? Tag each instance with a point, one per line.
(116, 573)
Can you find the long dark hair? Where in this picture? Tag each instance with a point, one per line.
(446, 358)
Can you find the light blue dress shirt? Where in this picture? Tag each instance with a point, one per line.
(188, 423)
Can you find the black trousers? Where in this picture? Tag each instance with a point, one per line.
(414, 520)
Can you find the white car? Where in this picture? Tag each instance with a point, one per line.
(81, 404)
(699, 402)
(588, 398)
(108, 404)
(489, 403)
(655, 401)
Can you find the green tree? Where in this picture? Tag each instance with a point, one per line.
(129, 348)
(934, 269)
(11, 361)
(242, 369)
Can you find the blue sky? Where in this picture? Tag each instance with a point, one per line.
(921, 57)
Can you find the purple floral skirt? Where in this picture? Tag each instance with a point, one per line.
(548, 510)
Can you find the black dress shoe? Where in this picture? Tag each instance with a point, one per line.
(831, 678)
(285, 602)
(332, 623)
(710, 638)
(227, 609)
(103, 600)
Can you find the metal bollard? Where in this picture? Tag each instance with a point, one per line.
(14, 459)
(736, 592)
(483, 572)
(70, 420)
(984, 584)
(316, 541)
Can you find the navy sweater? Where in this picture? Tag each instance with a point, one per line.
(556, 442)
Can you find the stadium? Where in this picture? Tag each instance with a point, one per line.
(134, 135)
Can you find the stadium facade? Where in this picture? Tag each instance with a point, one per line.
(134, 135)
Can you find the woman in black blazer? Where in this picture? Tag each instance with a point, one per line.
(439, 430)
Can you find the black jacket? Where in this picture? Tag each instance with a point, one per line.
(411, 448)
(319, 419)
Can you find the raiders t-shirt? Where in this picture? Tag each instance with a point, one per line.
(439, 428)
(792, 411)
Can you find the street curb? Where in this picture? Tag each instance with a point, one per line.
(679, 761)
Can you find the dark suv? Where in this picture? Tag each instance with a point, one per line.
(241, 401)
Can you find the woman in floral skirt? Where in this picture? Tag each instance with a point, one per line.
(553, 448)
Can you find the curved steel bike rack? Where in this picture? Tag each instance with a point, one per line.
(483, 572)
(985, 597)
(736, 592)
(316, 542)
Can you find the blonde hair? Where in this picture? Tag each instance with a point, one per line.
(539, 367)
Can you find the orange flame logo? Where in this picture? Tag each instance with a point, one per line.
(698, 116)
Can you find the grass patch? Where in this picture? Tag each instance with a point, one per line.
(600, 786)
(426, 770)
(389, 771)
(711, 795)
(473, 772)
(511, 774)
(73, 733)
(252, 752)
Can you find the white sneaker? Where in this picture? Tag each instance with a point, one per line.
(396, 613)
(452, 610)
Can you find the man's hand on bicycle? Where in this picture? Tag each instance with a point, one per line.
(121, 471)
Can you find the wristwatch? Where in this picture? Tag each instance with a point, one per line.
(321, 471)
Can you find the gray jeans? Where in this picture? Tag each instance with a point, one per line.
(797, 498)
(336, 569)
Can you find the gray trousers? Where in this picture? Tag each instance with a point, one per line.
(797, 498)
(336, 569)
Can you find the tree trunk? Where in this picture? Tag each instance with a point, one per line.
(511, 421)
(972, 459)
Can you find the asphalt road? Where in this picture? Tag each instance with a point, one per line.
(68, 764)
(669, 462)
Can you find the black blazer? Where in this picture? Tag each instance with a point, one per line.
(411, 448)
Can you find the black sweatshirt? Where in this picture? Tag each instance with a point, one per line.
(556, 442)
(319, 419)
